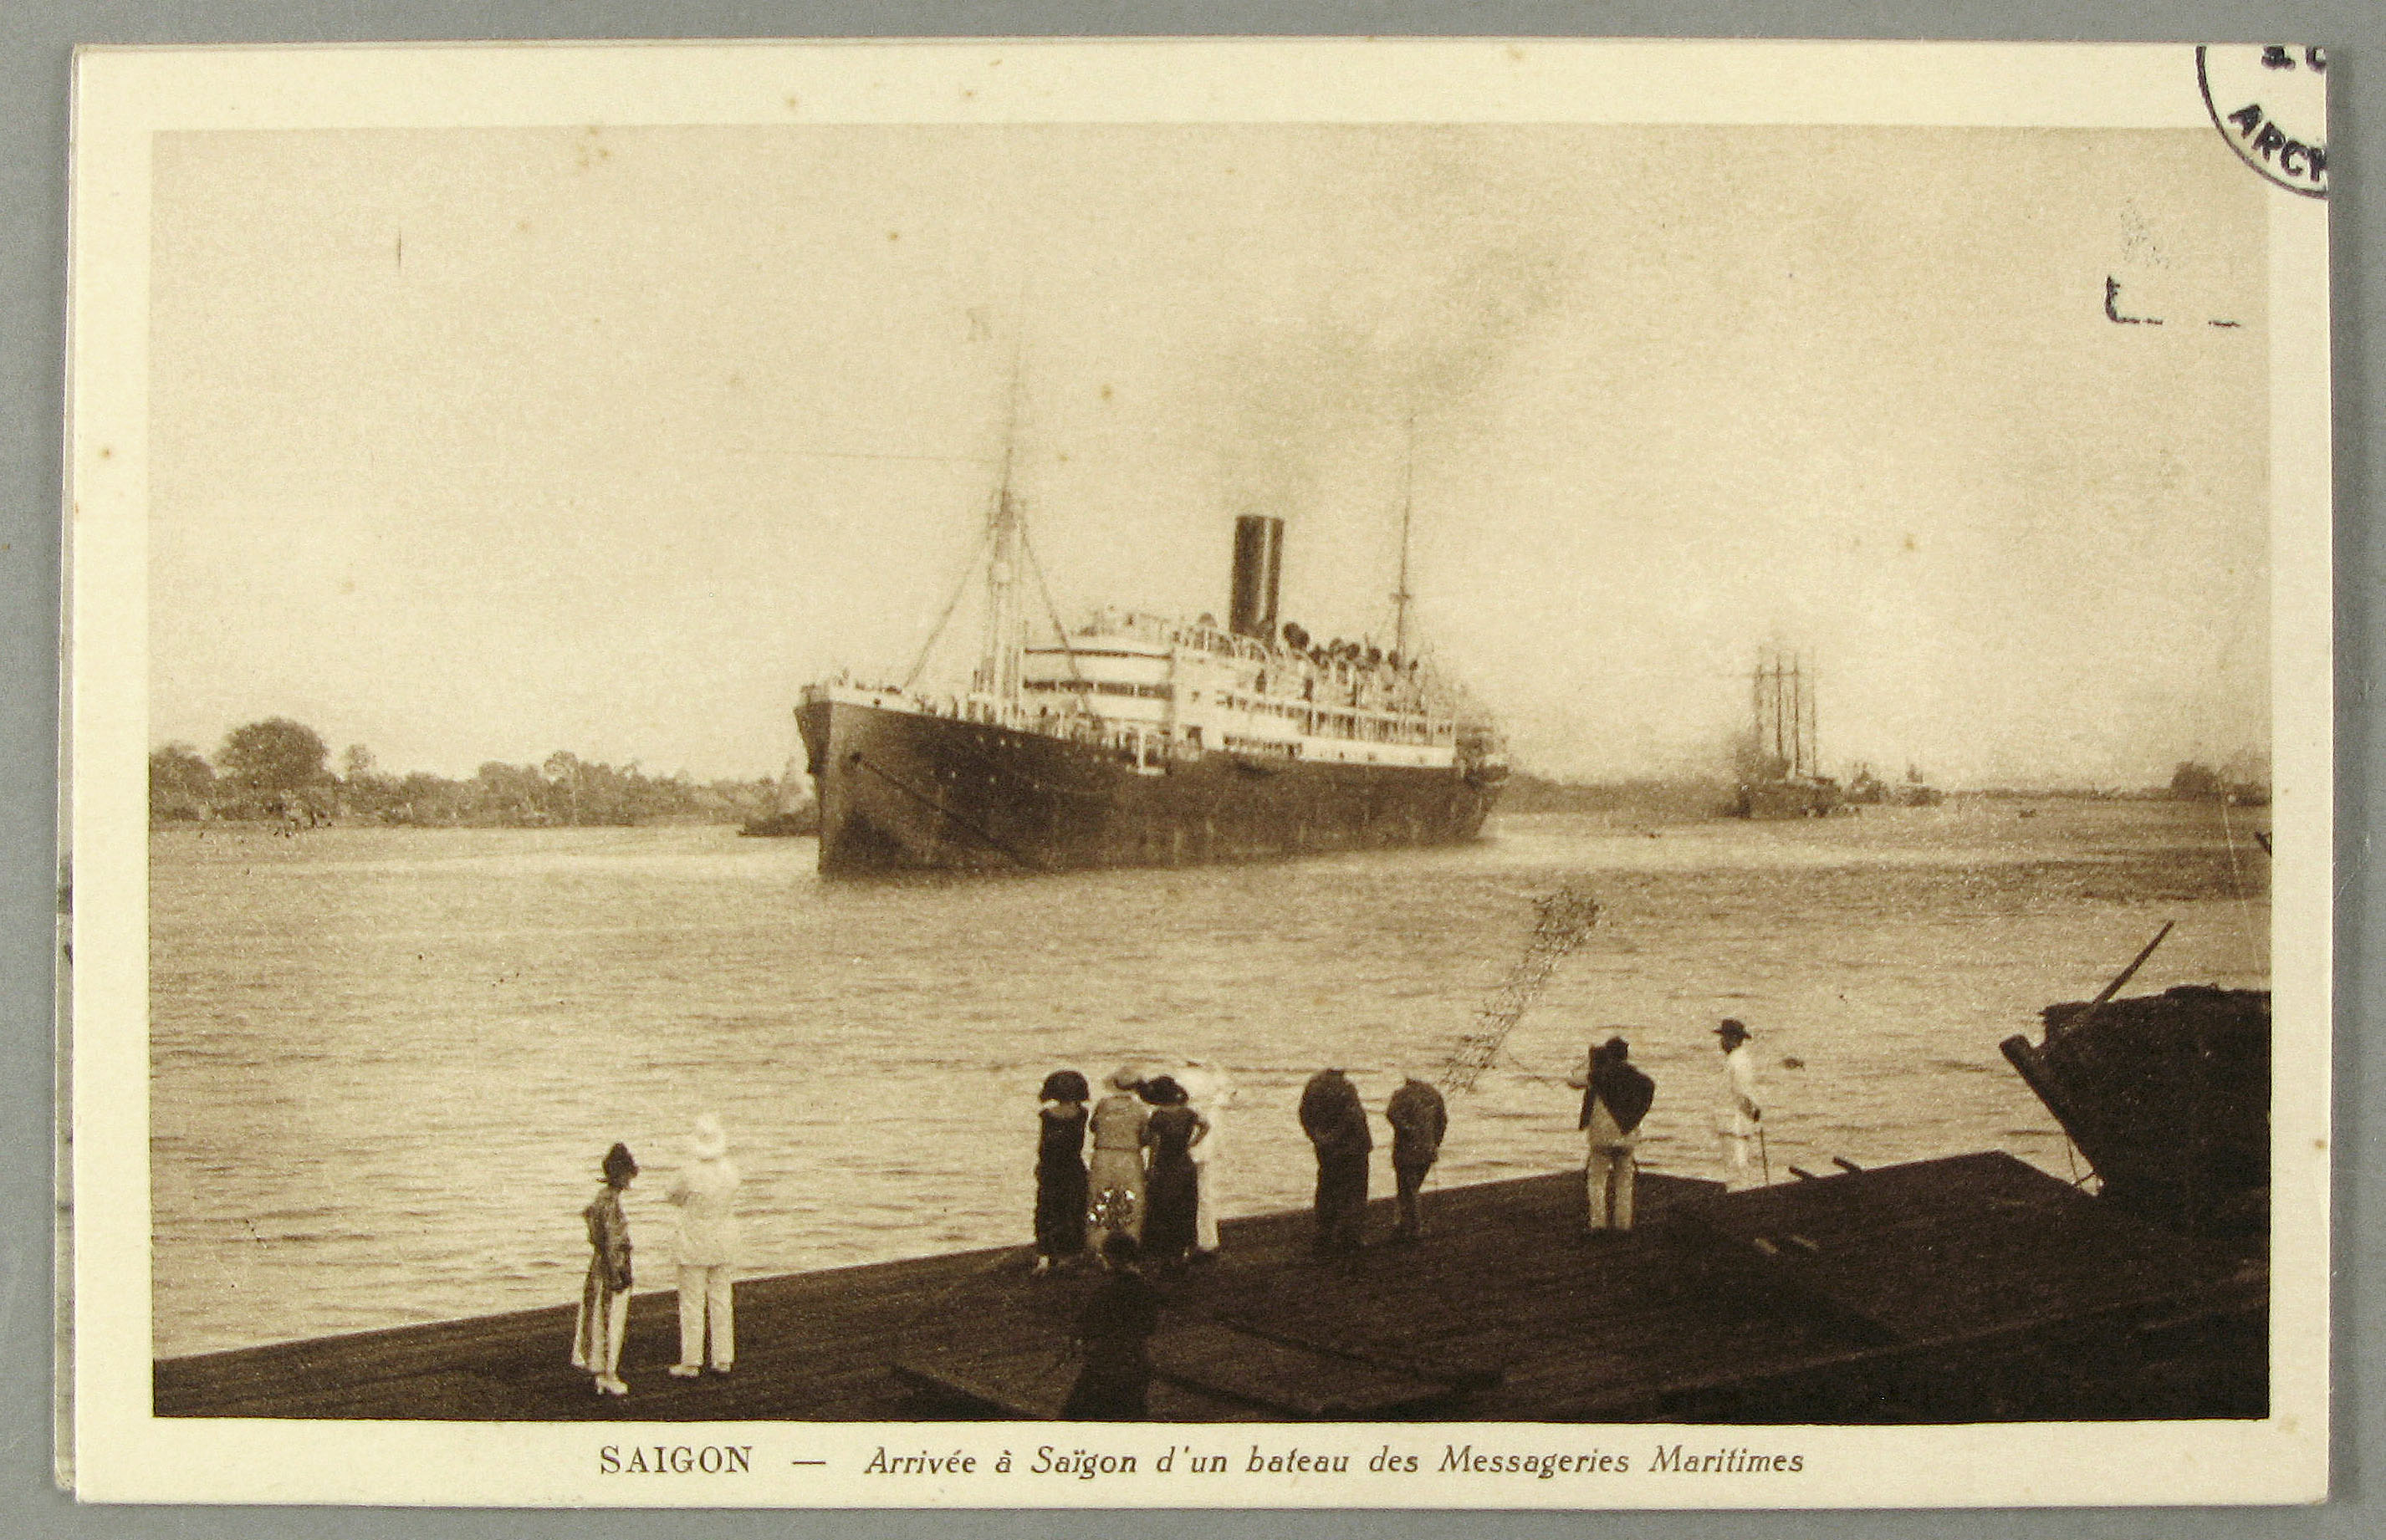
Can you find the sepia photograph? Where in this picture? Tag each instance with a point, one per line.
(1508, 794)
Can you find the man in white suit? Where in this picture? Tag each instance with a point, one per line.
(706, 1195)
(1736, 1112)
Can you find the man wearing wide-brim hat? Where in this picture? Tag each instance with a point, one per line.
(1736, 1112)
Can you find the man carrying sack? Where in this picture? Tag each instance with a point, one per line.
(1616, 1097)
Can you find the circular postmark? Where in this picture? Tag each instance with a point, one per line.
(2270, 101)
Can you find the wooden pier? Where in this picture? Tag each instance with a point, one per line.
(1972, 1288)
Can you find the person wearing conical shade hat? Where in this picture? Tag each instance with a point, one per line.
(706, 1196)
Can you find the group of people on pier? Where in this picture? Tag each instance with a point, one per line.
(1153, 1175)
(1154, 1172)
(1148, 1195)
(1138, 1199)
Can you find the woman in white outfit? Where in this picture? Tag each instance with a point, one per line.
(706, 1195)
(1211, 1095)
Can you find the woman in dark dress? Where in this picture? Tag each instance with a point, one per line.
(1172, 1188)
(1114, 1336)
(1061, 1170)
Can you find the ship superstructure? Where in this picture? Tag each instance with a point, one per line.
(1134, 739)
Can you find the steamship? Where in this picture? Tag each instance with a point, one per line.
(1133, 740)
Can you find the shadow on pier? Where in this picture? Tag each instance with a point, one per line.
(1973, 1288)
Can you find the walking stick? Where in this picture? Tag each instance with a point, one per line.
(1764, 1155)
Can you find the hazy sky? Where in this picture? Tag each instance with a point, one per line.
(475, 445)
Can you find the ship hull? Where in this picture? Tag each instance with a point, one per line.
(1782, 799)
(2167, 1095)
(902, 791)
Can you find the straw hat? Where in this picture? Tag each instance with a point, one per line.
(709, 1142)
(1126, 1077)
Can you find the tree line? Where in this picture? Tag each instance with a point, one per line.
(2196, 782)
(281, 771)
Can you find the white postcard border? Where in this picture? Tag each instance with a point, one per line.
(125, 95)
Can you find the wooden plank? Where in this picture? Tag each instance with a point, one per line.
(1005, 1386)
(1289, 1378)
(1966, 1244)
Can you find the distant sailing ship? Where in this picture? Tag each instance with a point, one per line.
(1139, 741)
(1782, 775)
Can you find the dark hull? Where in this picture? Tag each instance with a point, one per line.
(2168, 1097)
(902, 792)
(1780, 799)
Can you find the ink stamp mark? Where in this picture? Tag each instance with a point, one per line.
(2270, 101)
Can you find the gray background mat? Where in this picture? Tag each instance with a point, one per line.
(35, 40)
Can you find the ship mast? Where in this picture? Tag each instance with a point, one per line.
(1400, 597)
(1000, 656)
(1783, 696)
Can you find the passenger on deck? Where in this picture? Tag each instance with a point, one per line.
(1336, 1122)
(1736, 1112)
(1113, 1335)
(605, 1296)
(1061, 1170)
(1210, 1093)
(1171, 1181)
(1117, 1175)
(1615, 1096)
(1419, 1119)
(706, 1196)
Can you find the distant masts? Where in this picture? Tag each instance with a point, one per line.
(1401, 596)
(1782, 694)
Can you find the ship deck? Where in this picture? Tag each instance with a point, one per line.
(1971, 1288)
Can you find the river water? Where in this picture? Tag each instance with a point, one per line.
(385, 1061)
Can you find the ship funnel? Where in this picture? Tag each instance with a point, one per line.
(1258, 563)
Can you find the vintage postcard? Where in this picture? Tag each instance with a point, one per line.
(1401, 774)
